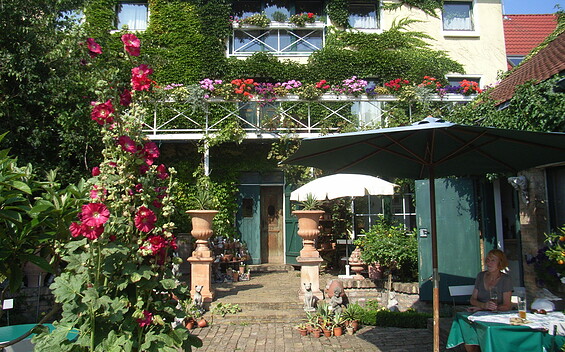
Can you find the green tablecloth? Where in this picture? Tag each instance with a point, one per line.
(8, 333)
(496, 337)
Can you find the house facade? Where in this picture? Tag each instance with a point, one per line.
(242, 135)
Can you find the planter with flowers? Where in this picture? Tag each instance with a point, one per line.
(300, 19)
(118, 284)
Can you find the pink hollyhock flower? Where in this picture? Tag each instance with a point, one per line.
(95, 171)
(102, 112)
(145, 219)
(173, 243)
(143, 169)
(125, 98)
(146, 321)
(162, 172)
(92, 232)
(157, 204)
(113, 164)
(131, 44)
(139, 188)
(127, 144)
(94, 48)
(95, 214)
(76, 229)
(151, 150)
(140, 77)
(94, 193)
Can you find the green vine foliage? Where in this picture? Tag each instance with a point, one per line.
(429, 7)
(534, 107)
(338, 12)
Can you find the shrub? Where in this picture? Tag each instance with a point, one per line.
(407, 319)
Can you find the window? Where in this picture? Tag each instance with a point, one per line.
(363, 15)
(514, 60)
(457, 16)
(133, 15)
(456, 80)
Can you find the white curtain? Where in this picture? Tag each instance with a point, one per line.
(133, 15)
(359, 21)
(457, 24)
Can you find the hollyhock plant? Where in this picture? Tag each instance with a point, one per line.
(102, 113)
(131, 44)
(118, 281)
(94, 48)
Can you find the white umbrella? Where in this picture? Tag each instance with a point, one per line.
(344, 185)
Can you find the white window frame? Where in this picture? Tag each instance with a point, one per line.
(138, 2)
(475, 78)
(473, 32)
(377, 25)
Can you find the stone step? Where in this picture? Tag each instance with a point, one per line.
(262, 268)
(252, 306)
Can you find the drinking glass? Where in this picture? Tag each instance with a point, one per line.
(494, 297)
(522, 307)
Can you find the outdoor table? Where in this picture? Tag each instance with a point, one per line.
(493, 332)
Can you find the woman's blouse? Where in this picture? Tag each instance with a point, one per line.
(504, 284)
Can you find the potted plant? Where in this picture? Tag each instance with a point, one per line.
(203, 200)
(258, 19)
(337, 324)
(351, 315)
(192, 314)
(302, 329)
(308, 222)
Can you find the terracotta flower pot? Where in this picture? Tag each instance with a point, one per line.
(202, 229)
(316, 333)
(303, 332)
(308, 221)
(338, 331)
(190, 324)
(327, 332)
(202, 323)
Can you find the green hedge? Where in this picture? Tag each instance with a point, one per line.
(407, 319)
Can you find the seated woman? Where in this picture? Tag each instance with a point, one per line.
(489, 281)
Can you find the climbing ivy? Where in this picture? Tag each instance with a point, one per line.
(428, 6)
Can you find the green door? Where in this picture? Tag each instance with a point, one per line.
(248, 220)
(293, 242)
(457, 235)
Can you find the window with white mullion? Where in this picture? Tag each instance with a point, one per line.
(457, 16)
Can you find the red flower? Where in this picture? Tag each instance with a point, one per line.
(310, 15)
(145, 219)
(95, 214)
(162, 172)
(90, 232)
(127, 144)
(140, 77)
(102, 112)
(94, 48)
(125, 98)
(143, 168)
(95, 171)
(131, 44)
(146, 321)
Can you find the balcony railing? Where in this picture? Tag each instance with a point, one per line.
(279, 39)
(173, 120)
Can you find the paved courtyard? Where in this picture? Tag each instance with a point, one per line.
(284, 338)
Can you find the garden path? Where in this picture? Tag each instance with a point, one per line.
(271, 308)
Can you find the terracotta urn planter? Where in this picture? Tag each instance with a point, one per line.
(357, 264)
(202, 230)
(308, 221)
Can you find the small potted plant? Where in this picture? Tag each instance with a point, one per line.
(337, 324)
(302, 329)
(308, 222)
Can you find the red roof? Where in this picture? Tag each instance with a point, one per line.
(548, 62)
(523, 33)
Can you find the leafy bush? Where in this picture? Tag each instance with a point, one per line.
(392, 247)
(407, 319)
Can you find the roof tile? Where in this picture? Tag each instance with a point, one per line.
(523, 33)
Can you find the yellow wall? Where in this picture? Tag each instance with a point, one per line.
(483, 53)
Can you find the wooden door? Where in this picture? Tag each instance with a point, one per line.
(272, 241)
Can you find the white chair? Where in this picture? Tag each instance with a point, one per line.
(461, 290)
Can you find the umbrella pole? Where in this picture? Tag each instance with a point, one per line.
(435, 273)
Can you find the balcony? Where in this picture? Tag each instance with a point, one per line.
(279, 39)
(174, 120)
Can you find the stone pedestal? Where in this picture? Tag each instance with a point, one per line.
(201, 275)
(310, 273)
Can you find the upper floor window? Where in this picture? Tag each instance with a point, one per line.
(363, 14)
(133, 14)
(458, 16)
(514, 60)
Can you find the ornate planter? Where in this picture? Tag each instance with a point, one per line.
(308, 221)
(357, 264)
(202, 230)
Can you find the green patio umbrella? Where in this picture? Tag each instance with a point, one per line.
(428, 149)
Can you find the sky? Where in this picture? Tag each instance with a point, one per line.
(517, 7)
